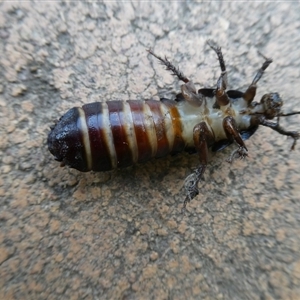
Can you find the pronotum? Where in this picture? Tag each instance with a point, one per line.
(116, 134)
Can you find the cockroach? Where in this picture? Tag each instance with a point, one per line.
(116, 134)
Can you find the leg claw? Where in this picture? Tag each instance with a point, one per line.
(191, 188)
(240, 152)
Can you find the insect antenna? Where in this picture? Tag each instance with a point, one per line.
(289, 114)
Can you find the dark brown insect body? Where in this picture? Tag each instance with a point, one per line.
(117, 134)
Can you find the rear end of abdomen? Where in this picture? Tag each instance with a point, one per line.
(121, 133)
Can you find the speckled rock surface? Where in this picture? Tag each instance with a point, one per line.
(121, 235)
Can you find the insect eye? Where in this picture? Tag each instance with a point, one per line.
(276, 101)
(272, 101)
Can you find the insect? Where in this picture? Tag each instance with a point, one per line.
(117, 134)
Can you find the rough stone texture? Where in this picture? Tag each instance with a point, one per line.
(121, 235)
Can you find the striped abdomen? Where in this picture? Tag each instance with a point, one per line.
(116, 134)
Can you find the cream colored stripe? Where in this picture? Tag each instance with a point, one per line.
(130, 133)
(108, 136)
(150, 128)
(168, 125)
(85, 137)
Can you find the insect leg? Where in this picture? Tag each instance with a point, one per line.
(222, 98)
(232, 133)
(275, 126)
(219, 53)
(170, 67)
(203, 137)
(189, 93)
(188, 90)
(251, 90)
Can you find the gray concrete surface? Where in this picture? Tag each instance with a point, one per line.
(121, 235)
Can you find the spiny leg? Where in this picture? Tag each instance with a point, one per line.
(251, 90)
(188, 89)
(203, 137)
(222, 98)
(232, 133)
(170, 67)
(219, 53)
